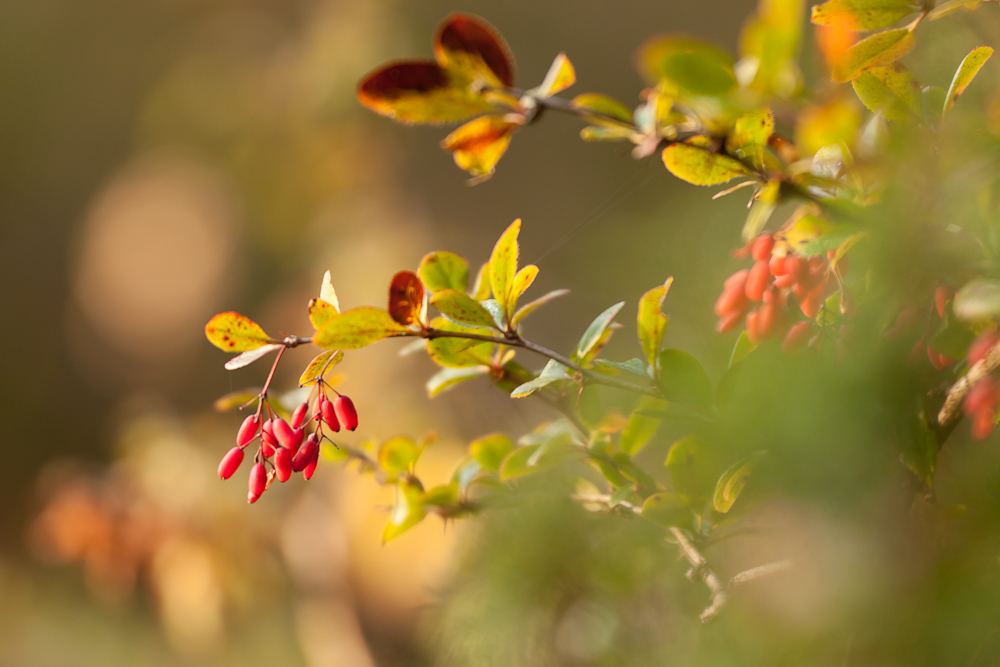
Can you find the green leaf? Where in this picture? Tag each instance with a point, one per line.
(620, 495)
(531, 459)
(466, 473)
(233, 332)
(891, 90)
(530, 307)
(457, 352)
(553, 372)
(356, 328)
(593, 334)
(751, 134)
(503, 266)
(398, 455)
(690, 463)
(333, 453)
(730, 485)
(953, 6)
(742, 348)
(953, 338)
(966, 73)
(440, 496)
(667, 509)
(878, 50)
(863, 14)
(461, 308)
(764, 203)
(695, 68)
(250, 356)
(443, 270)
(700, 167)
(491, 450)
(978, 300)
(601, 109)
(640, 428)
(407, 511)
(446, 378)
(634, 366)
(683, 379)
(320, 366)
(651, 321)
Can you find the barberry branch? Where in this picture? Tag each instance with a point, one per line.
(979, 370)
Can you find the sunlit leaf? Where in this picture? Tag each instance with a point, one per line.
(420, 91)
(398, 455)
(596, 329)
(503, 266)
(320, 312)
(693, 67)
(444, 270)
(529, 307)
(954, 6)
(966, 73)
(770, 42)
(440, 496)
(407, 511)
(491, 450)
(731, 483)
(640, 428)
(250, 356)
(604, 133)
(863, 14)
(473, 48)
(456, 352)
(406, 299)
(478, 145)
(667, 509)
(831, 123)
(522, 281)
(601, 109)
(683, 379)
(320, 366)
(235, 399)
(651, 321)
(553, 372)
(749, 137)
(447, 378)
(332, 453)
(560, 76)
(878, 50)
(328, 294)
(357, 328)
(699, 166)
(233, 332)
(496, 312)
(461, 308)
(891, 90)
(481, 288)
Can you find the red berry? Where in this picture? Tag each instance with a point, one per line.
(305, 454)
(783, 281)
(330, 417)
(983, 397)
(283, 432)
(346, 412)
(317, 408)
(770, 321)
(251, 498)
(258, 480)
(797, 337)
(299, 416)
(267, 434)
(778, 265)
(230, 462)
(299, 435)
(942, 295)
(310, 468)
(797, 267)
(247, 431)
(729, 322)
(762, 247)
(757, 281)
(753, 330)
(982, 424)
(810, 305)
(283, 464)
(738, 278)
(981, 347)
(935, 358)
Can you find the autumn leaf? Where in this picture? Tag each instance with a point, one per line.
(966, 72)
(406, 299)
(878, 50)
(478, 145)
(233, 332)
(699, 166)
(356, 328)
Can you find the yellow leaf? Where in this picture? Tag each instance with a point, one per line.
(522, 281)
(966, 72)
(503, 266)
(320, 366)
(328, 294)
(652, 322)
(320, 312)
(560, 76)
(461, 308)
(699, 166)
(478, 145)
(357, 328)
(233, 332)
(421, 91)
(472, 49)
(878, 50)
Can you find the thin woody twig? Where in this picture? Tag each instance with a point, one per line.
(956, 394)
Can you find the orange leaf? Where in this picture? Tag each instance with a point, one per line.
(471, 46)
(419, 91)
(406, 298)
(478, 145)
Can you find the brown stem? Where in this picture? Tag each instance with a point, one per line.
(956, 394)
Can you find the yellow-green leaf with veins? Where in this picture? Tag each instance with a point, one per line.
(356, 328)
(522, 281)
(700, 167)
(878, 50)
(891, 90)
(863, 14)
(603, 109)
(652, 322)
(457, 352)
(320, 366)
(461, 308)
(966, 72)
(481, 289)
(320, 312)
(444, 270)
(750, 135)
(233, 332)
(503, 266)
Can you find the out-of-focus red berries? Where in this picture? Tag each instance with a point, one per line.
(797, 337)
(230, 462)
(299, 415)
(346, 412)
(981, 347)
(757, 281)
(257, 482)
(283, 464)
(762, 247)
(778, 265)
(981, 405)
(938, 360)
(729, 322)
(942, 295)
(247, 432)
(310, 468)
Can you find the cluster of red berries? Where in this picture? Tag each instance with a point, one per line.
(284, 448)
(912, 315)
(773, 281)
(982, 401)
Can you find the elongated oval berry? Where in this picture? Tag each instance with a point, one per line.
(981, 347)
(942, 295)
(810, 305)
(770, 321)
(777, 265)
(330, 416)
(317, 408)
(247, 432)
(757, 281)
(796, 267)
(982, 425)
(310, 468)
(983, 397)
(267, 434)
(299, 416)
(258, 480)
(753, 330)
(230, 462)
(796, 337)
(283, 432)
(283, 464)
(783, 281)
(762, 247)
(299, 435)
(729, 322)
(732, 300)
(935, 358)
(305, 454)
(346, 412)
(738, 278)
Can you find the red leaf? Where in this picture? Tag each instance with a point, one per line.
(406, 298)
(462, 34)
